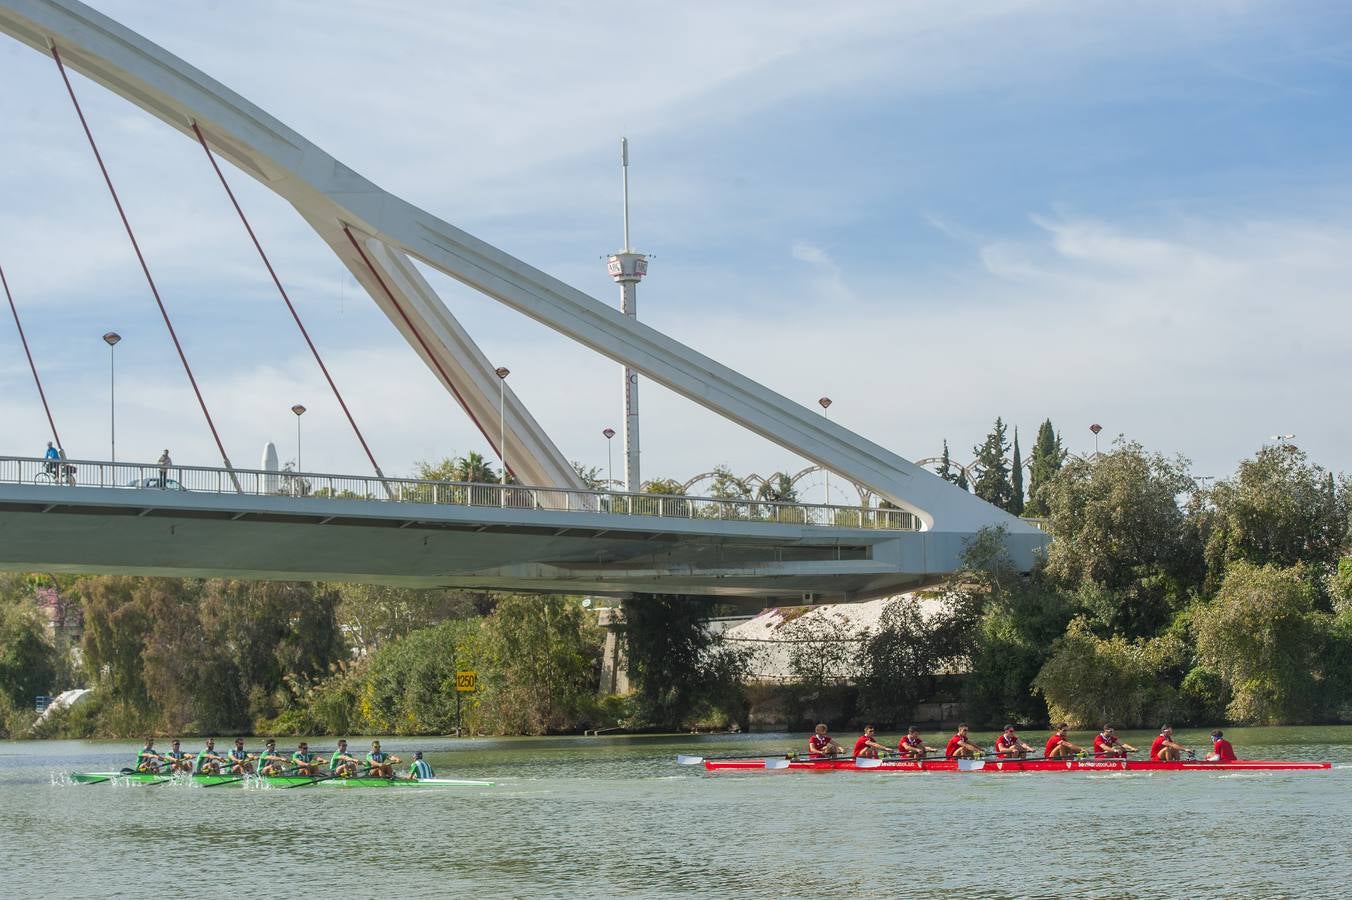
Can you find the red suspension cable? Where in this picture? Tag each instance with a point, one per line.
(24, 340)
(144, 267)
(426, 349)
(295, 315)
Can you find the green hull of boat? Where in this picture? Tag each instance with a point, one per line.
(281, 781)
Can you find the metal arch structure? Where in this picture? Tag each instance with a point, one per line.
(377, 235)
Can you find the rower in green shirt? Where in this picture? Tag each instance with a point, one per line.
(305, 762)
(147, 760)
(420, 769)
(209, 762)
(380, 764)
(270, 762)
(241, 760)
(178, 760)
(343, 763)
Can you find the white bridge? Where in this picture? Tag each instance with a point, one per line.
(562, 537)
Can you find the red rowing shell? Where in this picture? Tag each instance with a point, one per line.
(1021, 765)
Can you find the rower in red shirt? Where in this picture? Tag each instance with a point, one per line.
(1057, 745)
(1107, 743)
(821, 745)
(1221, 751)
(1165, 748)
(1008, 744)
(866, 747)
(959, 745)
(913, 746)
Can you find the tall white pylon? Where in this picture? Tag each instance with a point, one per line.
(628, 268)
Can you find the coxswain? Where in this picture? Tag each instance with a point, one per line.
(1057, 745)
(1108, 744)
(1221, 751)
(821, 745)
(241, 760)
(379, 763)
(147, 760)
(209, 762)
(1008, 744)
(1165, 749)
(304, 762)
(270, 762)
(912, 745)
(866, 747)
(343, 763)
(178, 760)
(960, 746)
(420, 769)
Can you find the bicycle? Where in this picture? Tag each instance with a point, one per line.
(49, 475)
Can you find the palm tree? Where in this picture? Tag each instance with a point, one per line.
(473, 468)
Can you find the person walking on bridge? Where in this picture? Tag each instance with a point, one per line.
(164, 463)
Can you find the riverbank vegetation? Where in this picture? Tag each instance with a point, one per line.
(1160, 598)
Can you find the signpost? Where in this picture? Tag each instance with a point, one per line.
(465, 683)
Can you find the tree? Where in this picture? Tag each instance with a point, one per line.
(992, 482)
(778, 488)
(727, 486)
(547, 654)
(1258, 633)
(1048, 457)
(1089, 680)
(1117, 525)
(591, 475)
(1279, 510)
(679, 669)
(1016, 479)
(28, 664)
(945, 469)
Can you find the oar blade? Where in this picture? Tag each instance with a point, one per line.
(971, 765)
(861, 762)
(776, 764)
(682, 760)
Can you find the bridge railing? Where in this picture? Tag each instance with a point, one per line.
(151, 477)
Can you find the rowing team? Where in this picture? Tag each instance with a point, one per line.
(1009, 746)
(238, 761)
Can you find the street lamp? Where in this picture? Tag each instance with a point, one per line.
(1096, 428)
(111, 339)
(502, 372)
(299, 411)
(610, 460)
(825, 404)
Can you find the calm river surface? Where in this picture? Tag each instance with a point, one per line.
(616, 817)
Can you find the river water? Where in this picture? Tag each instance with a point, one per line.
(617, 817)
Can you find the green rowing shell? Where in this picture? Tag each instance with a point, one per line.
(275, 780)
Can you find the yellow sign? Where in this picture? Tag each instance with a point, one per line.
(466, 682)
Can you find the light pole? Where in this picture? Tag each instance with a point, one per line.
(610, 459)
(1096, 428)
(502, 372)
(299, 411)
(111, 339)
(825, 403)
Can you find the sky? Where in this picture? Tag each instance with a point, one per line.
(1135, 215)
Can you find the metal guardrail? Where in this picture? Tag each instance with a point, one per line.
(83, 473)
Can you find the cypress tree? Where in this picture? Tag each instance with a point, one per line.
(1048, 455)
(946, 466)
(992, 485)
(1016, 479)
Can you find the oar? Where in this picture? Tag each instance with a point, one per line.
(365, 768)
(230, 781)
(682, 760)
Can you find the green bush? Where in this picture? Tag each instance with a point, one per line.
(1089, 680)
